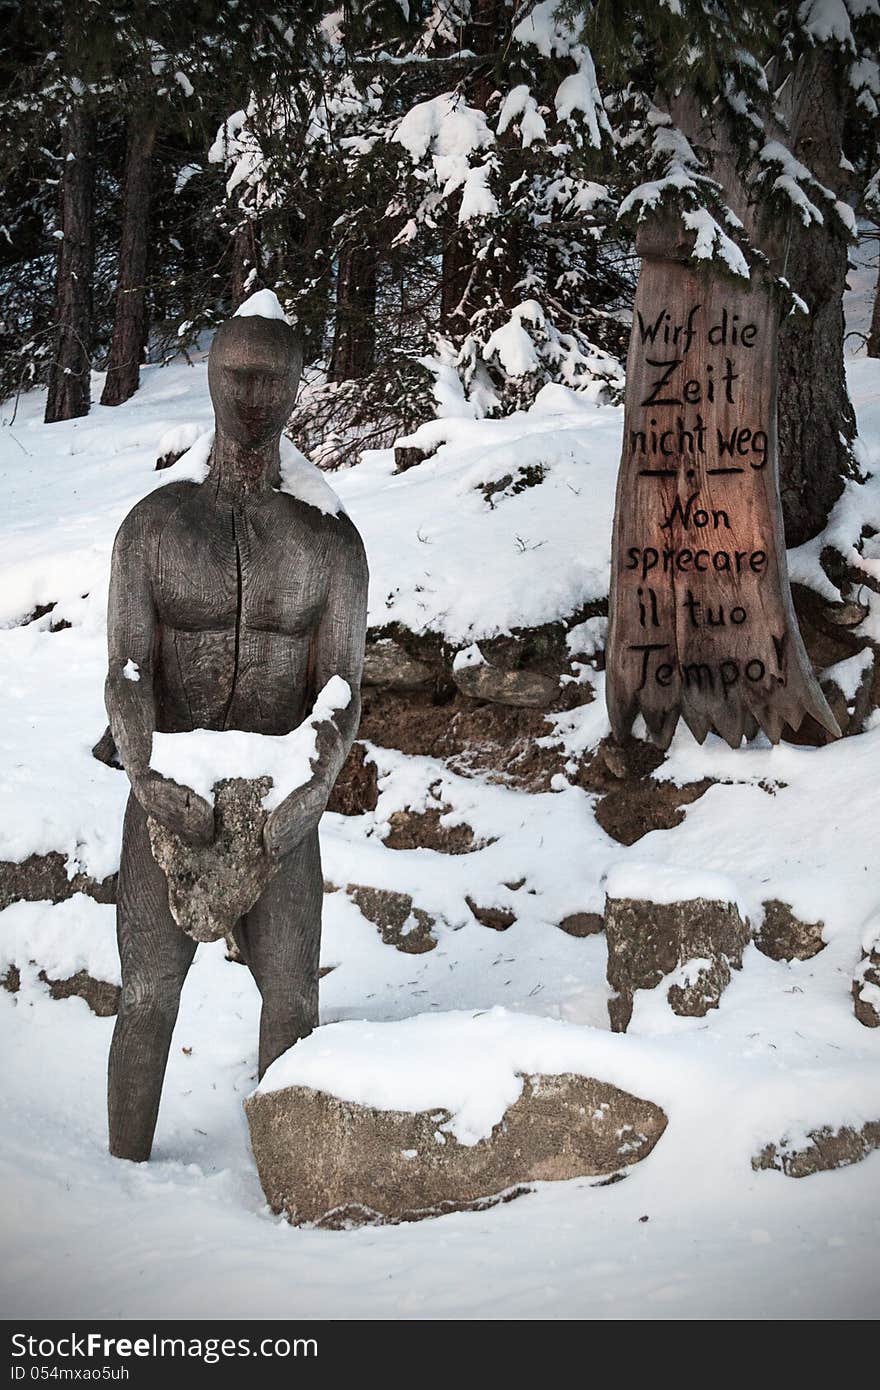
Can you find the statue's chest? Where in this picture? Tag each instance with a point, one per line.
(222, 566)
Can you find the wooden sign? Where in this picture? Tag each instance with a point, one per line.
(702, 623)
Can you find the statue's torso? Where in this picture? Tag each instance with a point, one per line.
(239, 590)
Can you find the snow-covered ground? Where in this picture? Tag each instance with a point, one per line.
(189, 1234)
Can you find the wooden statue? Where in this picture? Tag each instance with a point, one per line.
(702, 623)
(231, 605)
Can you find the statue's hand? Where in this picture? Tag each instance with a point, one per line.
(179, 808)
(296, 817)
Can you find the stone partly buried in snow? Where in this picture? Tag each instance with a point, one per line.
(336, 1163)
(211, 887)
(866, 985)
(825, 1149)
(782, 936)
(402, 926)
(690, 940)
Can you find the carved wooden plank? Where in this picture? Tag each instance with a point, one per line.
(702, 623)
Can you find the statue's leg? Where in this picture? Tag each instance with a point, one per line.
(281, 936)
(155, 956)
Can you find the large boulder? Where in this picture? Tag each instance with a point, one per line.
(671, 926)
(336, 1163)
(383, 1122)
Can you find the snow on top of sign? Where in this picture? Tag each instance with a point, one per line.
(265, 304)
(202, 757)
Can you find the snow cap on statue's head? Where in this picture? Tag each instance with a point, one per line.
(265, 304)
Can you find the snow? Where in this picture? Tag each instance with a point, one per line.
(467, 657)
(299, 478)
(60, 938)
(520, 106)
(711, 241)
(189, 1233)
(201, 758)
(668, 883)
(265, 304)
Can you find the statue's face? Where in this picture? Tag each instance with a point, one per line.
(253, 374)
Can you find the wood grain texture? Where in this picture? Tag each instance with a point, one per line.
(232, 604)
(702, 625)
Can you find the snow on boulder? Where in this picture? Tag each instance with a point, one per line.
(684, 929)
(382, 1122)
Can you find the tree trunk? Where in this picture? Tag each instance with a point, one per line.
(69, 384)
(245, 278)
(872, 346)
(130, 320)
(354, 337)
(816, 419)
(701, 619)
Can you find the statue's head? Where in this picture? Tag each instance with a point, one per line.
(253, 374)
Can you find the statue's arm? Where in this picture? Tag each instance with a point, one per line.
(131, 642)
(338, 650)
(129, 691)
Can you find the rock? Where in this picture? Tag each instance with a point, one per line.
(498, 918)
(401, 925)
(698, 941)
(782, 936)
(101, 996)
(11, 980)
(827, 1149)
(524, 689)
(866, 988)
(583, 924)
(642, 806)
(44, 878)
(423, 830)
(389, 665)
(105, 749)
(356, 789)
(406, 457)
(336, 1163)
(210, 887)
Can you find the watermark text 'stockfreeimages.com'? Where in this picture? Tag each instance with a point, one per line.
(27, 1350)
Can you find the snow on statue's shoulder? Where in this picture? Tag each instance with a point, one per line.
(299, 478)
(302, 480)
(193, 466)
(265, 304)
